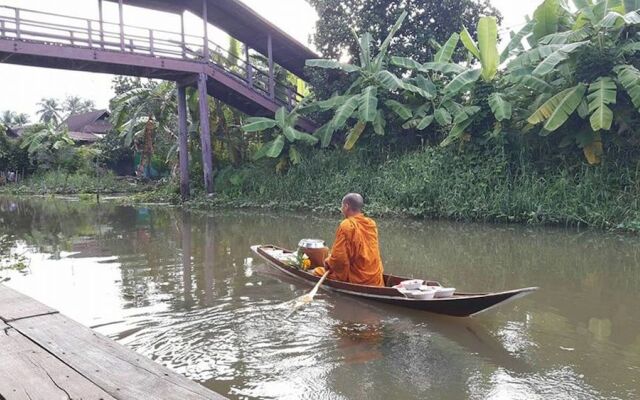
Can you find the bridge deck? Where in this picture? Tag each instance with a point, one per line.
(48, 40)
(45, 355)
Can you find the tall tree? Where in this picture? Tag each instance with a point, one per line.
(428, 22)
(141, 113)
(12, 118)
(76, 105)
(49, 111)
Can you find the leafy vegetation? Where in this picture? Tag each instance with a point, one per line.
(578, 79)
(60, 182)
(441, 183)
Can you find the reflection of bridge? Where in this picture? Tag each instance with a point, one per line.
(249, 82)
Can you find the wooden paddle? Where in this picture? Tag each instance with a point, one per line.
(308, 298)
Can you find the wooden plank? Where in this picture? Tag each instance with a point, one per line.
(27, 372)
(121, 372)
(15, 305)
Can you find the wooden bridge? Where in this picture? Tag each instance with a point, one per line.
(34, 38)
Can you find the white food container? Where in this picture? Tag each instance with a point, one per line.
(413, 284)
(421, 294)
(442, 292)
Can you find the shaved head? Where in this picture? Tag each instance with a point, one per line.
(354, 201)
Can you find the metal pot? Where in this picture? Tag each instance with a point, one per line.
(315, 250)
(311, 243)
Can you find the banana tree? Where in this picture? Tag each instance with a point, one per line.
(456, 82)
(284, 137)
(48, 145)
(139, 114)
(437, 107)
(583, 74)
(371, 98)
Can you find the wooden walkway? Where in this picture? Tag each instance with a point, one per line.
(46, 355)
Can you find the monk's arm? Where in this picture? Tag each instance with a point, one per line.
(339, 259)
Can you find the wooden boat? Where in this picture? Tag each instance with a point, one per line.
(458, 305)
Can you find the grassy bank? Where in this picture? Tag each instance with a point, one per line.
(63, 183)
(437, 183)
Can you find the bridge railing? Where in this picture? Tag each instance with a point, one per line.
(61, 30)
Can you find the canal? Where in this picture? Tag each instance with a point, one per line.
(184, 290)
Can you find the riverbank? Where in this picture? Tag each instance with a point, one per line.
(60, 183)
(434, 183)
(431, 183)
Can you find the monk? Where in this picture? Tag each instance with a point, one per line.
(355, 255)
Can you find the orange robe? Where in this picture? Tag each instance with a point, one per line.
(355, 255)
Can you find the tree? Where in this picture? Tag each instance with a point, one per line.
(48, 146)
(77, 105)
(373, 84)
(123, 84)
(12, 118)
(49, 111)
(141, 113)
(427, 21)
(583, 72)
(282, 136)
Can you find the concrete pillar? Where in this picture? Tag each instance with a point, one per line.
(205, 135)
(183, 143)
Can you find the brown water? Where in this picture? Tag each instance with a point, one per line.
(183, 290)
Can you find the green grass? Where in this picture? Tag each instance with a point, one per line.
(63, 183)
(441, 183)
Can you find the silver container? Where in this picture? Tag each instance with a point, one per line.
(311, 243)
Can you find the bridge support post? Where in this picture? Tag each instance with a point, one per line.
(205, 20)
(184, 45)
(183, 142)
(17, 24)
(101, 18)
(205, 135)
(272, 80)
(249, 67)
(121, 25)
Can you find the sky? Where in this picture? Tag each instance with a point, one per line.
(23, 87)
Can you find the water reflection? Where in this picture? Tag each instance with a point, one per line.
(181, 289)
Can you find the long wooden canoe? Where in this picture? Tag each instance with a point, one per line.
(459, 305)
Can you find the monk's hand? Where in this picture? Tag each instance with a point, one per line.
(326, 264)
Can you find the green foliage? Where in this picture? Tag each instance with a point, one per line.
(61, 182)
(428, 22)
(49, 147)
(578, 78)
(11, 119)
(442, 183)
(373, 85)
(282, 137)
(12, 156)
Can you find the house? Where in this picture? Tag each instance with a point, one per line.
(11, 132)
(88, 127)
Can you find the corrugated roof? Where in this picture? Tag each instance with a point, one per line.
(244, 24)
(84, 122)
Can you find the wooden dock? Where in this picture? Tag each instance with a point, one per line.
(45, 355)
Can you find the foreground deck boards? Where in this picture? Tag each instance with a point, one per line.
(29, 372)
(14, 305)
(49, 356)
